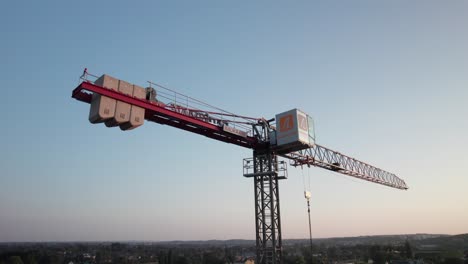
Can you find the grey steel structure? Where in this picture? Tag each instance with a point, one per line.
(267, 171)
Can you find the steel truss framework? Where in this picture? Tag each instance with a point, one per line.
(325, 158)
(267, 209)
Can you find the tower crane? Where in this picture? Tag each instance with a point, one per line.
(292, 137)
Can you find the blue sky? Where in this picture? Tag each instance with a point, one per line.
(386, 82)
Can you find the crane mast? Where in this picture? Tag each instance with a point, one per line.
(258, 134)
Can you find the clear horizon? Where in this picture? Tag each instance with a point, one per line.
(229, 239)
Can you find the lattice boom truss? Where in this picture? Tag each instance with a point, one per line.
(325, 158)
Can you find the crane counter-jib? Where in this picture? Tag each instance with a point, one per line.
(159, 113)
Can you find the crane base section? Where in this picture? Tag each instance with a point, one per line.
(267, 209)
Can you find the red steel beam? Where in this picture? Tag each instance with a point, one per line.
(157, 113)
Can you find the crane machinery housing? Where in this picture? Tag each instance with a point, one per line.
(116, 102)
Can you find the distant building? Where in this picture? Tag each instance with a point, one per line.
(402, 262)
(249, 261)
(428, 252)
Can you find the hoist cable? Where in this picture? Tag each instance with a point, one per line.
(303, 179)
(310, 228)
(307, 195)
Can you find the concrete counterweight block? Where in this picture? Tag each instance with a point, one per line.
(102, 107)
(137, 114)
(122, 110)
